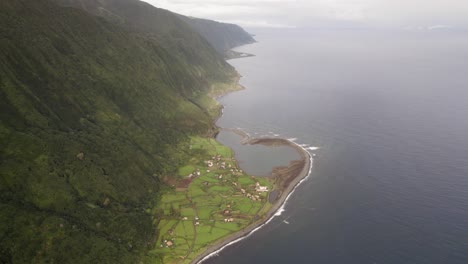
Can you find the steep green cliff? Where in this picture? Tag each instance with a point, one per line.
(94, 110)
(163, 25)
(222, 36)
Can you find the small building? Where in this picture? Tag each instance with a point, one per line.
(260, 188)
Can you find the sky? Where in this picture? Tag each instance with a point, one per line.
(410, 14)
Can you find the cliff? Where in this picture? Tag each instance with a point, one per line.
(222, 36)
(97, 103)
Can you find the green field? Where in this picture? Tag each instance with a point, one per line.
(211, 207)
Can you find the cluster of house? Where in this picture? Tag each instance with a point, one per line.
(258, 188)
(233, 170)
(227, 212)
(253, 197)
(216, 160)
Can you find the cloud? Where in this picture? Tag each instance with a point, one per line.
(439, 27)
(259, 24)
(300, 13)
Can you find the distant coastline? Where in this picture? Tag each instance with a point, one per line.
(232, 54)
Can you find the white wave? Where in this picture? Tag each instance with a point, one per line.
(276, 135)
(280, 211)
(313, 148)
(277, 213)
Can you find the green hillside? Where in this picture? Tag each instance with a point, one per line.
(94, 111)
(162, 26)
(222, 36)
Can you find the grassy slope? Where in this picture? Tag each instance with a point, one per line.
(72, 83)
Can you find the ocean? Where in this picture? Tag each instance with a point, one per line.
(389, 113)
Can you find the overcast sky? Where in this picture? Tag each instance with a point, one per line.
(427, 14)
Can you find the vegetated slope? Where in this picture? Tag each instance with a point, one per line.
(161, 25)
(222, 36)
(92, 113)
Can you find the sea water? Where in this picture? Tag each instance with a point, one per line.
(389, 113)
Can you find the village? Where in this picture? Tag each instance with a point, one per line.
(213, 198)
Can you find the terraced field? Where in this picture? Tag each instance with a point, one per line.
(212, 199)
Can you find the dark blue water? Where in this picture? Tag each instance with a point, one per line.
(390, 113)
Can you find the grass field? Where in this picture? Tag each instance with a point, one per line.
(221, 200)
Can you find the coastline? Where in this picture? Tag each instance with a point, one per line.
(294, 177)
(281, 199)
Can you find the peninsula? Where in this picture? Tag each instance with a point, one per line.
(284, 179)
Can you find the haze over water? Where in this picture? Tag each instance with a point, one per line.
(390, 113)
